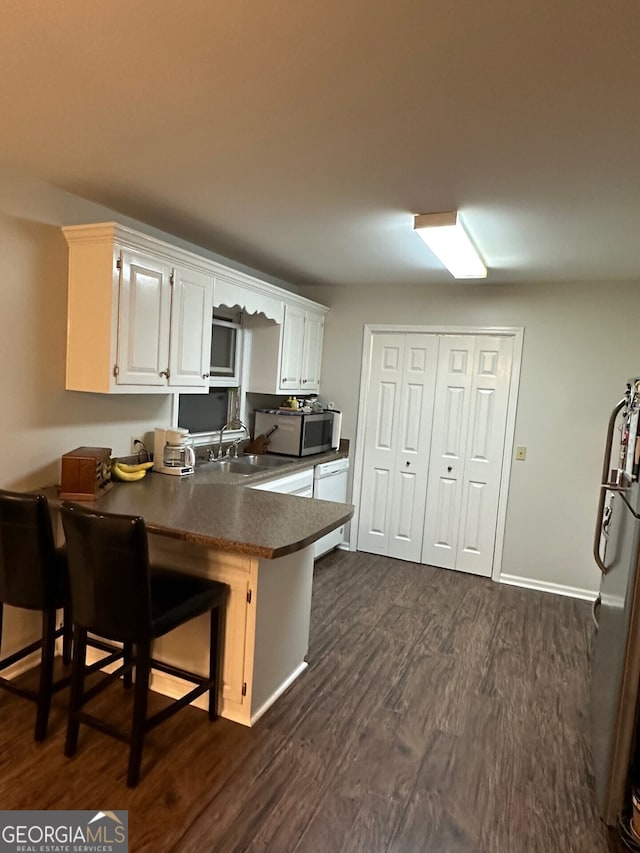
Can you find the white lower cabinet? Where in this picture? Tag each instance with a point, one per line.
(266, 636)
(299, 484)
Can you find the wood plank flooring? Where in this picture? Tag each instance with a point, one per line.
(440, 713)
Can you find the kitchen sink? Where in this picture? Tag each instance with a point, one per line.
(249, 463)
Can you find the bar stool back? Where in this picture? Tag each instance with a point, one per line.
(33, 576)
(116, 593)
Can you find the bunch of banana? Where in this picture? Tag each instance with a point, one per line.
(129, 473)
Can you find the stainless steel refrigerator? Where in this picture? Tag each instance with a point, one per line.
(615, 678)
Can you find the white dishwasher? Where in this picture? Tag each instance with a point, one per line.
(330, 484)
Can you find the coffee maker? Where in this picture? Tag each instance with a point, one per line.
(172, 452)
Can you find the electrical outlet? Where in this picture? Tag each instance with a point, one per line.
(136, 442)
(521, 454)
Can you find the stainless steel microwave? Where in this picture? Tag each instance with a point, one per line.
(296, 433)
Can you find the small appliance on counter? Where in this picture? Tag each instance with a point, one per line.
(86, 473)
(172, 452)
(299, 433)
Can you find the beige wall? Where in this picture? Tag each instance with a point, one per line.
(580, 345)
(39, 420)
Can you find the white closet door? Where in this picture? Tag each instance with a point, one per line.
(448, 447)
(397, 438)
(470, 416)
(484, 454)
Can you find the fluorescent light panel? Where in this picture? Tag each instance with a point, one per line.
(444, 235)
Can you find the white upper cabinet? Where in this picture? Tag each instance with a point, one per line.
(287, 358)
(312, 351)
(292, 349)
(190, 338)
(139, 318)
(143, 320)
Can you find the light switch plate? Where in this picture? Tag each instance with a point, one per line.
(521, 453)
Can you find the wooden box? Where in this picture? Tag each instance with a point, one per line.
(86, 473)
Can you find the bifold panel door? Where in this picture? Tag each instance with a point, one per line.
(434, 444)
(397, 438)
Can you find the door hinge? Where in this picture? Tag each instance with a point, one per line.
(244, 688)
(171, 279)
(249, 597)
(119, 264)
(116, 370)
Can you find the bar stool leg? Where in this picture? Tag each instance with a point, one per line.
(77, 689)
(46, 673)
(127, 658)
(215, 661)
(67, 635)
(138, 727)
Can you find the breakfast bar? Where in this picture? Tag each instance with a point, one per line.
(259, 544)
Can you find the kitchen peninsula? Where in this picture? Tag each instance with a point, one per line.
(256, 542)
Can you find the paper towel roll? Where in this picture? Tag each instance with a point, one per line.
(337, 429)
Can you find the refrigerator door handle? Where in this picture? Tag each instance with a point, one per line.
(605, 485)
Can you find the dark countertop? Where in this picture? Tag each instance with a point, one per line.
(208, 508)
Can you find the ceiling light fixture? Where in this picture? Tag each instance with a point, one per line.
(444, 235)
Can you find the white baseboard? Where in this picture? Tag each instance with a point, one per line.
(546, 586)
(169, 685)
(277, 693)
(21, 666)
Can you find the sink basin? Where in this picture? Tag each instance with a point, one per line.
(249, 464)
(258, 461)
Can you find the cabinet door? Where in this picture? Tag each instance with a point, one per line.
(234, 675)
(292, 349)
(144, 316)
(312, 352)
(190, 340)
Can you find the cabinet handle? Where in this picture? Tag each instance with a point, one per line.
(206, 375)
(165, 373)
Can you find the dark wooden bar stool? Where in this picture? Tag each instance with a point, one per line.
(33, 576)
(118, 595)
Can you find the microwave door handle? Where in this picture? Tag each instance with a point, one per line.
(603, 488)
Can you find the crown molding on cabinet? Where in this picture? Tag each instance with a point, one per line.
(231, 288)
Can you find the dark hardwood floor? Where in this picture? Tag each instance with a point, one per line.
(440, 713)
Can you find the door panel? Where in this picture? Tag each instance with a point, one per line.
(397, 438)
(448, 444)
(378, 525)
(489, 400)
(442, 523)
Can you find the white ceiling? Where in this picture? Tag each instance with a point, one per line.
(301, 137)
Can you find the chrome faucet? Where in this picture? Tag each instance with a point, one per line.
(234, 423)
